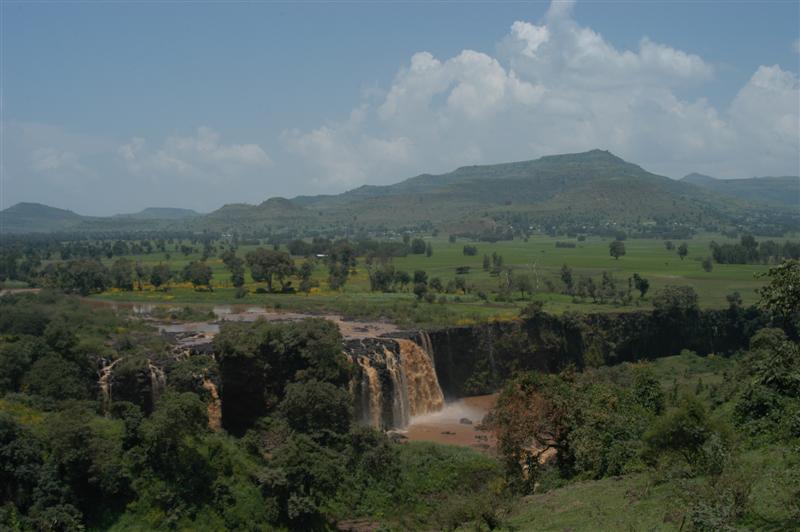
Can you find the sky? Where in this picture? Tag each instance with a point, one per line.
(111, 107)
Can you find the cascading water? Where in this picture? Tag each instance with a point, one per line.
(158, 382)
(214, 408)
(424, 393)
(104, 383)
(395, 380)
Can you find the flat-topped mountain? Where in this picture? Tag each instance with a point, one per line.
(594, 188)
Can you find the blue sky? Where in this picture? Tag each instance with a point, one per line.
(111, 107)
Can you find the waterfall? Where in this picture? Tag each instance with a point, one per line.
(424, 393)
(396, 369)
(395, 380)
(104, 383)
(214, 407)
(369, 395)
(158, 382)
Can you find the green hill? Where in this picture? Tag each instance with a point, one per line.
(780, 191)
(590, 187)
(35, 217)
(592, 191)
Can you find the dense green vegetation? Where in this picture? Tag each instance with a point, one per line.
(685, 436)
(148, 459)
(690, 437)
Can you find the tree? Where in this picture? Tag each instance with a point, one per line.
(54, 377)
(402, 278)
(198, 273)
(304, 273)
(469, 250)
(122, 274)
(428, 249)
(461, 284)
(781, 295)
(420, 289)
(669, 245)
(341, 259)
(566, 278)
(436, 284)
(141, 273)
(708, 265)
(420, 276)
(683, 431)
(683, 250)
(486, 263)
(236, 266)
(418, 246)
(160, 275)
(675, 300)
(257, 361)
(319, 409)
(522, 282)
(641, 284)
(616, 249)
(84, 276)
(267, 265)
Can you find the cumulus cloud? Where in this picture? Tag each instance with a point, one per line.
(47, 159)
(556, 86)
(56, 166)
(201, 156)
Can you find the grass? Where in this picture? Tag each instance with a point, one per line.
(640, 501)
(538, 257)
(636, 502)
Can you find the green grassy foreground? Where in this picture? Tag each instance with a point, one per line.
(650, 500)
(539, 258)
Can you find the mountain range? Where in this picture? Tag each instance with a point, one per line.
(594, 187)
(783, 190)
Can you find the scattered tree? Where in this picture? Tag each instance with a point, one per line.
(616, 249)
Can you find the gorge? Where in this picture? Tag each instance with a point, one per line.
(395, 375)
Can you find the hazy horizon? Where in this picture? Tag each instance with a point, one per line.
(112, 108)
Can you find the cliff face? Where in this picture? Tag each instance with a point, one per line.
(401, 375)
(478, 359)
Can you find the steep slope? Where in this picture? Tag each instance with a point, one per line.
(594, 185)
(780, 191)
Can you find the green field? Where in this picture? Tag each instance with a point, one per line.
(538, 257)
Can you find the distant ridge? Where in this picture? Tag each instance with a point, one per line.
(593, 189)
(33, 217)
(161, 213)
(780, 191)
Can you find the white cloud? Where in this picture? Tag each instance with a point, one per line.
(49, 164)
(48, 159)
(557, 87)
(202, 157)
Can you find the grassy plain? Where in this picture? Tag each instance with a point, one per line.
(539, 258)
